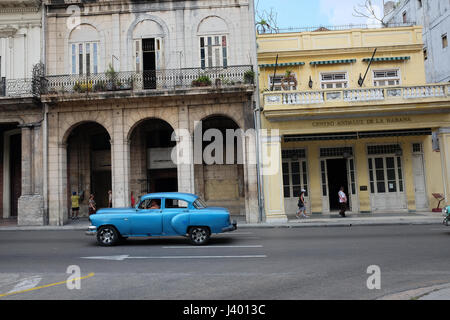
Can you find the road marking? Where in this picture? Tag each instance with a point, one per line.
(26, 284)
(234, 233)
(124, 257)
(212, 247)
(47, 285)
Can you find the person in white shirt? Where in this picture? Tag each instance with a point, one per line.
(342, 202)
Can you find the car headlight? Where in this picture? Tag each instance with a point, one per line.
(444, 211)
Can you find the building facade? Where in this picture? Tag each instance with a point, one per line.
(340, 118)
(21, 120)
(434, 16)
(129, 82)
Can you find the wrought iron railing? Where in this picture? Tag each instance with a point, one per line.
(169, 79)
(17, 88)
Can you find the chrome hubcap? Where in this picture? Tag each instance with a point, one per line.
(199, 235)
(106, 236)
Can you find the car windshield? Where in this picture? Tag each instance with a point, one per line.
(199, 204)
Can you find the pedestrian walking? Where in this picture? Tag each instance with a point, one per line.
(75, 199)
(342, 202)
(92, 205)
(301, 212)
(133, 201)
(109, 199)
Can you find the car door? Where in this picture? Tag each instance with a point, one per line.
(146, 221)
(172, 207)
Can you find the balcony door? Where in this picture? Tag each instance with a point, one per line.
(149, 63)
(149, 51)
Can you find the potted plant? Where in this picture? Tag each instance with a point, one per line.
(77, 87)
(288, 80)
(202, 81)
(111, 75)
(249, 77)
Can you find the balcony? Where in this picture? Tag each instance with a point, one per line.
(169, 81)
(376, 95)
(18, 88)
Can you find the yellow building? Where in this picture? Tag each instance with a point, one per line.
(371, 125)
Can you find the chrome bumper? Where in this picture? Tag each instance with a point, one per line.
(91, 231)
(230, 228)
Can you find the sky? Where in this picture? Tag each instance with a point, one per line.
(312, 13)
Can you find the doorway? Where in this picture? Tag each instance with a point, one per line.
(337, 176)
(149, 63)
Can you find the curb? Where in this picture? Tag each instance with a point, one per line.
(415, 294)
(303, 224)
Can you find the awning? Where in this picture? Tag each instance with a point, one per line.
(387, 59)
(333, 62)
(357, 135)
(287, 64)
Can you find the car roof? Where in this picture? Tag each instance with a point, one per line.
(176, 195)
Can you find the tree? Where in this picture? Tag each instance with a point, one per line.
(266, 21)
(368, 10)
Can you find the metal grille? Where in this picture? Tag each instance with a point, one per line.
(294, 154)
(383, 149)
(336, 152)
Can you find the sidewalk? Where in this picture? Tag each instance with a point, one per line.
(437, 292)
(317, 220)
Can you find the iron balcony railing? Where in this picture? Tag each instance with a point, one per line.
(169, 79)
(17, 88)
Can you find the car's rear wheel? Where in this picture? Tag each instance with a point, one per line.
(199, 236)
(107, 236)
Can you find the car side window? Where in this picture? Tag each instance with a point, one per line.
(175, 204)
(150, 204)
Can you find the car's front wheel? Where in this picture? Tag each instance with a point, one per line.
(199, 235)
(107, 236)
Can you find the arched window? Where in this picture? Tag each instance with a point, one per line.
(213, 37)
(148, 46)
(84, 47)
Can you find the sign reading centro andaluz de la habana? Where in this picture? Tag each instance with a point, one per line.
(359, 122)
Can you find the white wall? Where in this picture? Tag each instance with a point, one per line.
(434, 16)
(20, 42)
(178, 23)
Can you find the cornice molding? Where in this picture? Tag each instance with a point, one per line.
(7, 32)
(19, 6)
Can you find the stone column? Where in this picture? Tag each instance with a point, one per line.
(273, 179)
(444, 145)
(120, 163)
(362, 177)
(31, 202)
(184, 153)
(251, 177)
(408, 182)
(315, 185)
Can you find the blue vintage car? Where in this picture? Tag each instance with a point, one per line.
(161, 214)
(446, 213)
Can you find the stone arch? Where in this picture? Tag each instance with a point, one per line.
(215, 111)
(219, 181)
(137, 117)
(77, 119)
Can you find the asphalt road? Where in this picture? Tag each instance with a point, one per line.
(249, 264)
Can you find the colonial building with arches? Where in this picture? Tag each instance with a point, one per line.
(123, 78)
